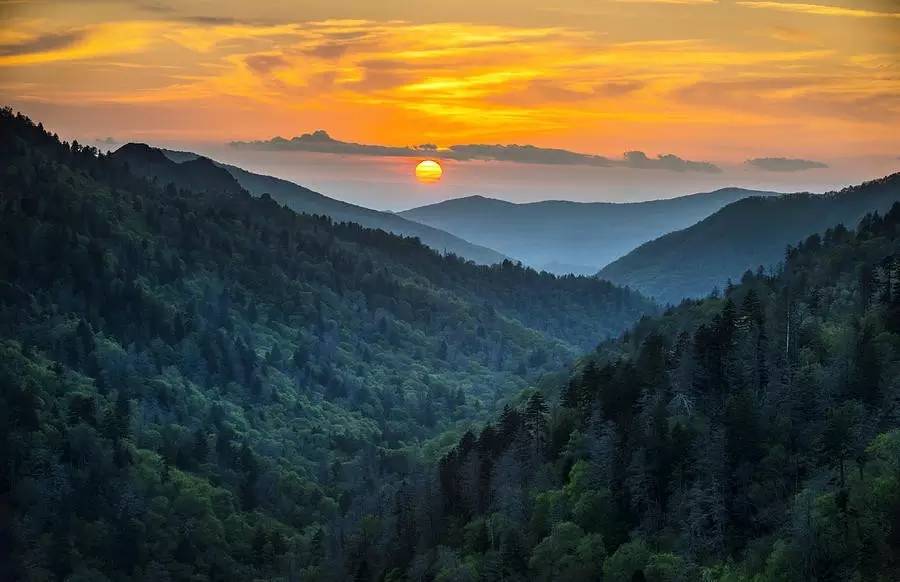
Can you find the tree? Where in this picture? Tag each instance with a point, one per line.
(536, 422)
(626, 562)
(568, 554)
(841, 437)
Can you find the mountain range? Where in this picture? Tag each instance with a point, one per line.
(747, 234)
(564, 237)
(667, 249)
(199, 383)
(187, 170)
(748, 437)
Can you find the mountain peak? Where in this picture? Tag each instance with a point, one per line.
(142, 152)
(198, 174)
(750, 232)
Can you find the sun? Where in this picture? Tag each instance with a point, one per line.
(429, 171)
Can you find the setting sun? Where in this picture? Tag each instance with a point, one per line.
(429, 171)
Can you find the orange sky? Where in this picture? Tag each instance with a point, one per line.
(704, 79)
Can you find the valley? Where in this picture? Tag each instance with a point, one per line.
(223, 387)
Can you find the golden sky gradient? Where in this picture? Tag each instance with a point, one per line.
(704, 79)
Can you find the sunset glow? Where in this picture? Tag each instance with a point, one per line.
(736, 80)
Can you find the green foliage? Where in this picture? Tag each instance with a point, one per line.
(626, 562)
(568, 554)
(746, 437)
(200, 384)
(667, 567)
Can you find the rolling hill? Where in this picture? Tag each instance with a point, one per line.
(564, 237)
(187, 170)
(744, 235)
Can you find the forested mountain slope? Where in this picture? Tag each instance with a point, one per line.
(562, 236)
(200, 384)
(744, 235)
(166, 166)
(199, 174)
(753, 436)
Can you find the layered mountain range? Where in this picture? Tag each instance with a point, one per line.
(209, 374)
(187, 170)
(563, 237)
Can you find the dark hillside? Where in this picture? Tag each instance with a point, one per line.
(744, 235)
(749, 436)
(207, 384)
(302, 199)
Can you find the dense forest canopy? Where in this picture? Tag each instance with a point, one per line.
(752, 436)
(201, 384)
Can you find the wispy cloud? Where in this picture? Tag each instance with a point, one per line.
(263, 64)
(682, 2)
(34, 48)
(874, 99)
(591, 83)
(320, 142)
(819, 9)
(42, 43)
(785, 164)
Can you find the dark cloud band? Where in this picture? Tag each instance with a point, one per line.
(320, 142)
(784, 164)
(47, 42)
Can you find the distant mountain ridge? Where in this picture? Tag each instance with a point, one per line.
(563, 236)
(743, 235)
(195, 172)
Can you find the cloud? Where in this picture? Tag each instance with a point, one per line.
(42, 43)
(819, 9)
(784, 164)
(668, 162)
(264, 63)
(464, 82)
(792, 34)
(525, 154)
(617, 88)
(328, 50)
(529, 154)
(825, 96)
(542, 91)
(320, 142)
(90, 42)
(207, 20)
(682, 2)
